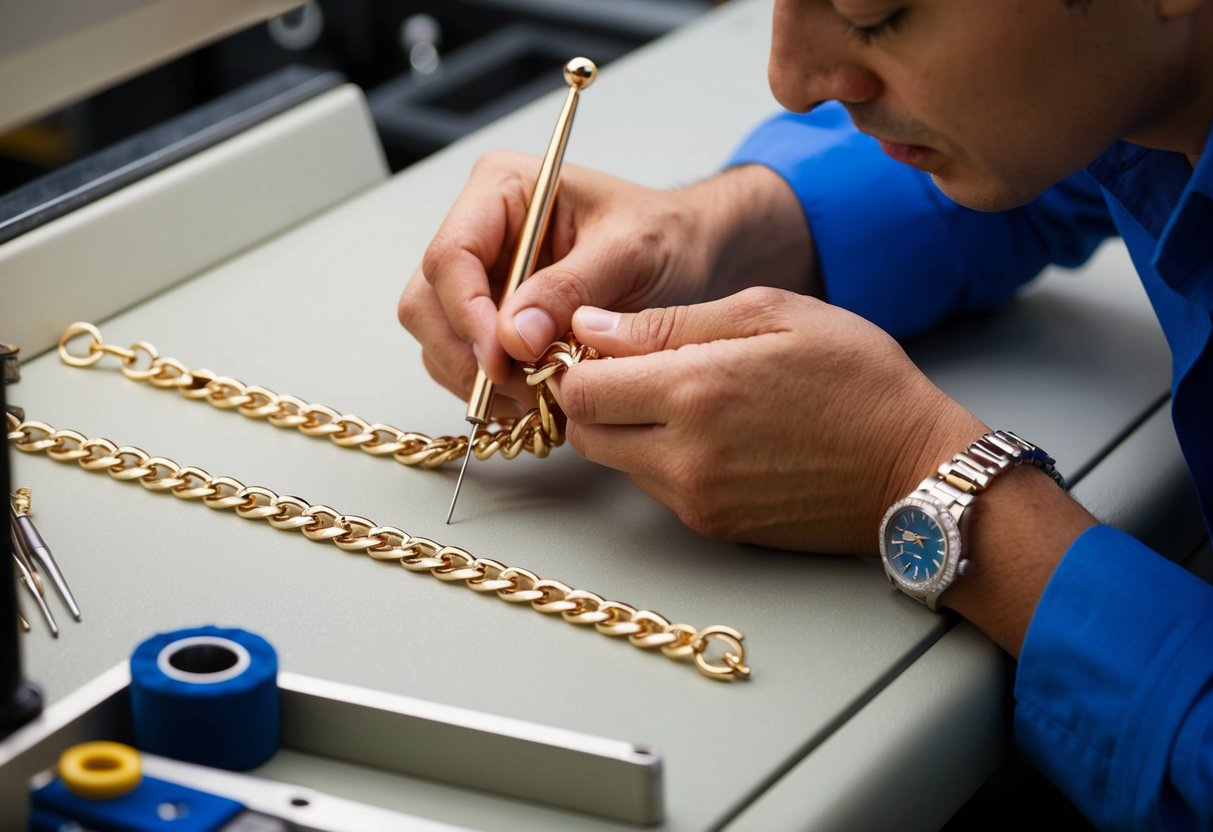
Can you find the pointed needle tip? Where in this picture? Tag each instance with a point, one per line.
(462, 470)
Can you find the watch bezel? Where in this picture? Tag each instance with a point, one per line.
(941, 580)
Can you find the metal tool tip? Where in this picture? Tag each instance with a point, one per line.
(462, 470)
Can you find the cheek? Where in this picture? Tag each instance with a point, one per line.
(997, 148)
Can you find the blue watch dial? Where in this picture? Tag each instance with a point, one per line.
(915, 545)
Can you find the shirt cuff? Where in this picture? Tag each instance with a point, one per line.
(1115, 674)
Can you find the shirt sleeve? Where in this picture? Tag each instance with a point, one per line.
(893, 248)
(1114, 691)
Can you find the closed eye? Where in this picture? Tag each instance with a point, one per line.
(890, 24)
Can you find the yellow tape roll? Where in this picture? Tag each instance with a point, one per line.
(100, 770)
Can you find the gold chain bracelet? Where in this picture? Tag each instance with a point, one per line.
(643, 628)
(538, 431)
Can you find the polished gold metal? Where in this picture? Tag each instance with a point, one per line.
(642, 628)
(23, 502)
(579, 73)
(537, 432)
(734, 666)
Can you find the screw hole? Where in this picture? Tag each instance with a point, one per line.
(172, 810)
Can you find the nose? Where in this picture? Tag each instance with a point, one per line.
(814, 60)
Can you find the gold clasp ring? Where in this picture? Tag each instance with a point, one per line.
(94, 348)
(734, 666)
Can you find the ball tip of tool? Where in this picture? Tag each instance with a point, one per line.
(580, 72)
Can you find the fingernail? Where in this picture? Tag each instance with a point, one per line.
(476, 355)
(536, 328)
(597, 320)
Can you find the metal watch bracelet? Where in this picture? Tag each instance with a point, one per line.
(969, 472)
(952, 490)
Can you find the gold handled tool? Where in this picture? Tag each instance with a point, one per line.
(579, 73)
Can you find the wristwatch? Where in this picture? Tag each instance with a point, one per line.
(922, 535)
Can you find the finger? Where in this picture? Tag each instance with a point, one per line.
(637, 390)
(631, 450)
(474, 238)
(514, 389)
(628, 448)
(438, 374)
(448, 358)
(541, 309)
(752, 312)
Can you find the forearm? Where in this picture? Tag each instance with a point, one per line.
(753, 233)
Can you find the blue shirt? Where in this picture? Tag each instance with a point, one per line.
(1114, 688)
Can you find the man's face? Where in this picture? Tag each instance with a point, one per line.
(996, 99)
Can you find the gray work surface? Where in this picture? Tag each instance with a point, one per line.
(1074, 365)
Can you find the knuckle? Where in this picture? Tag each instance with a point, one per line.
(406, 314)
(577, 399)
(765, 308)
(495, 160)
(711, 518)
(563, 288)
(657, 327)
(438, 257)
(759, 302)
(703, 520)
(576, 439)
(407, 308)
(635, 247)
(505, 170)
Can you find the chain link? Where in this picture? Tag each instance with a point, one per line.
(537, 432)
(642, 628)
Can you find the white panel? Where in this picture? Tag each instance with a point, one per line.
(55, 51)
(144, 238)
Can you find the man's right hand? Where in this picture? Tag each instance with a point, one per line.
(610, 243)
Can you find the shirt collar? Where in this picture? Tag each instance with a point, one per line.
(1174, 204)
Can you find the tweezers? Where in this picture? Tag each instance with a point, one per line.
(37, 555)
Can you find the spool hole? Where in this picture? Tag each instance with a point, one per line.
(203, 659)
(100, 763)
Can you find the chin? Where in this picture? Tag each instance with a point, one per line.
(984, 192)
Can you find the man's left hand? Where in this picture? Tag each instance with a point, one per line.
(766, 417)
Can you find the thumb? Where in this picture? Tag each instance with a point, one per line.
(751, 312)
(541, 309)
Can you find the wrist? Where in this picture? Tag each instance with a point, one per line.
(1013, 530)
(929, 443)
(1017, 536)
(753, 232)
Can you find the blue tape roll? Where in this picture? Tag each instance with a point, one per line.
(206, 695)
